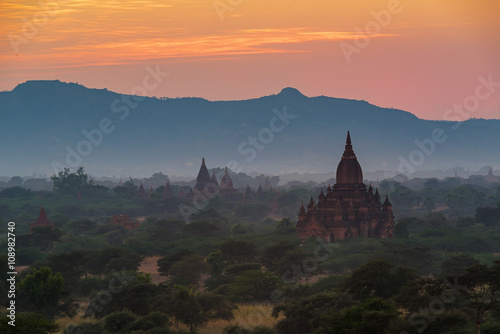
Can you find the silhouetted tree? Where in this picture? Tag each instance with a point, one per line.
(68, 183)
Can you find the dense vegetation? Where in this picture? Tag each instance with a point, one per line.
(439, 274)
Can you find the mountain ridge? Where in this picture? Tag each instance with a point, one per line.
(41, 119)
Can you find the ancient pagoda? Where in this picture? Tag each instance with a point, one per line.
(206, 185)
(348, 209)
(203, 177)
(167, 191)
(226, 188)
(42, 221)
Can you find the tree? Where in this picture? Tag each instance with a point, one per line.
(201, 228)
(274, 253)
(446, 322)
(84, 328)
(480, 287)
(378, 279)
(167, 229)
(436, 219)
(488, 216)
(197, 309)
(149, 322)
(113, 258)
(188, 270)
(373, 316)
(401, 230)
(15, 181)
(68, 183)
(72, 265)
(285, 226)
(114, 237)
(14, 192)
(254, 285)
(82, 226)
(247, 211)
(431, 184)
(165, 263)
(117, 322)
(44, 237)
(43, 288)
(464, 197)
(238, 229)
(130, 292)
(305, 315)
(457, 265)
(237, 251)
(429, 204)
(28, 323)
(239, 268)
(216, 263)
(403, 196)
(127, 322)
(289, 261)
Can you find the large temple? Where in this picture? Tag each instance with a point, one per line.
(347, 209)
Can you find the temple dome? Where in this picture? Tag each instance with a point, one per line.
(349, 171)
(226, 182)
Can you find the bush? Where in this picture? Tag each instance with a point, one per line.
(28, 323)
(254, 285)
(215, 281)
(148, 322)
(263, 330)
(118, 321)
(27, 256)
(238, 269)
(84, 328)
(91, 284)
(235, 329)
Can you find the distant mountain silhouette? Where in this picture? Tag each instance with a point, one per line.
(40, 119)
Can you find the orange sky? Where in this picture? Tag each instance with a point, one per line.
(426, 57)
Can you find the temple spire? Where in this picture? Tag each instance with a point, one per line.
(302, 212)
(214, 179)
(348, 152)
(203, 176)
(42, 216)
(387, 202)
(141, 193)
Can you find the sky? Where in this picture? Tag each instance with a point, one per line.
(422, 56)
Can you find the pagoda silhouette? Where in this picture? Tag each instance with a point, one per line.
(347, 209)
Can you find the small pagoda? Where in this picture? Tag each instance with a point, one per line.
(141, 193)
(167, 192)
(226, 188)
(42, 221)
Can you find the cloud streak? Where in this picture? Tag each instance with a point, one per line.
(134, 47)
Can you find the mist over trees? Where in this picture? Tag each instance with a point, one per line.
(233, 255)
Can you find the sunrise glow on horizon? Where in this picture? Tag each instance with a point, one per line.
(425, 57)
